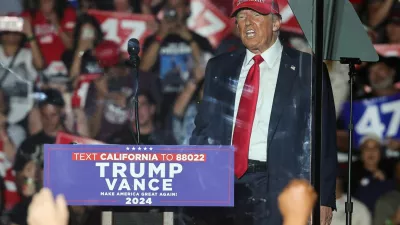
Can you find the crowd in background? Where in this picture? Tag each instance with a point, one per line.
(60, 45)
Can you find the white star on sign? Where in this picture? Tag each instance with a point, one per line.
(127, 148)
(151, 149)
(140, 148)
(145, 148)
(133, 148)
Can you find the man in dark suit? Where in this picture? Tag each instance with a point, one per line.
(259, 100)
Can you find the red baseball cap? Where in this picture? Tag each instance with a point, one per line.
(108, 53)
(262, 6)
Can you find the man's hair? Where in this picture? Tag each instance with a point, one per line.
(150, 99)
(52, 97)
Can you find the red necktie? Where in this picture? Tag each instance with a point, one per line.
(245, 117)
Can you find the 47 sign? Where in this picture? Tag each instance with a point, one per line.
(205, 19)
(120, 27)
(379, 116)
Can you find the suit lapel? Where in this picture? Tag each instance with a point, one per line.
(287, 73)
(234, 67)
(234, 72)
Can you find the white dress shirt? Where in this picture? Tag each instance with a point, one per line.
(269, 70)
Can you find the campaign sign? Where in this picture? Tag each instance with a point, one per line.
(64, 138)
(120, 175)
(379, 116)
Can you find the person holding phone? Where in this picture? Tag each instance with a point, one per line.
(80, 59)
(174, 52)
(19, 65)
(53, 22)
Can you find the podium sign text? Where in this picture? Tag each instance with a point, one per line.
(120, 175)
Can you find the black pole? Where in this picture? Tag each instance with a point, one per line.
(137, 107)
(318, 94)
(352, 74)
(134, 59)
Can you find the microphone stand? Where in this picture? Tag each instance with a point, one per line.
(352, 74)
(135, 61)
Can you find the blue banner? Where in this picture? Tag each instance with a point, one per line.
(120, 175)
(379, 116)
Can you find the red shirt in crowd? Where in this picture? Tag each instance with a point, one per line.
(50, 42)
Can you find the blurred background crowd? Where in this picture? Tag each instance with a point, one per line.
(64, 70)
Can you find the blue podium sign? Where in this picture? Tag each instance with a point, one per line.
(120, 175)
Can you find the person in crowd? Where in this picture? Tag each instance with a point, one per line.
(381, 78)
(87, 35)
(270, 133)
(149, 132)
(18, 72)
(360, 215)
(378, 14)
(33, 171)
(53, 22)
(11, 137)
(185, 107)
(174, 51)
(379, 10)
(106, 98)
(393, 30)
(387, 208)
(371, 175)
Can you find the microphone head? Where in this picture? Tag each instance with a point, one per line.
(133, 46)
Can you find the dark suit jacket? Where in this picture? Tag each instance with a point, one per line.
(289, 136)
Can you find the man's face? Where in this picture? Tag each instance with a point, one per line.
(370, 152)
(146, 110)
(51, 117)
(381, 76)
(256, 30)
(393, 33)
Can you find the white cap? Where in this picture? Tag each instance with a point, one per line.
(370, 136)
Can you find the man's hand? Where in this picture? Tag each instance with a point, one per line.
(296, 202)
(326, 215)
(45, 211)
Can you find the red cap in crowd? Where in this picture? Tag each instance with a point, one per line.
(262, 6)
(108, 53)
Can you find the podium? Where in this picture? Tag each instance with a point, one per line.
(122, 177)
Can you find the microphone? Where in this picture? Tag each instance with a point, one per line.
(133, 51)
(133, 46)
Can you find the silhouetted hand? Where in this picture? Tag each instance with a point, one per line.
(43, 210)
(296, 202)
